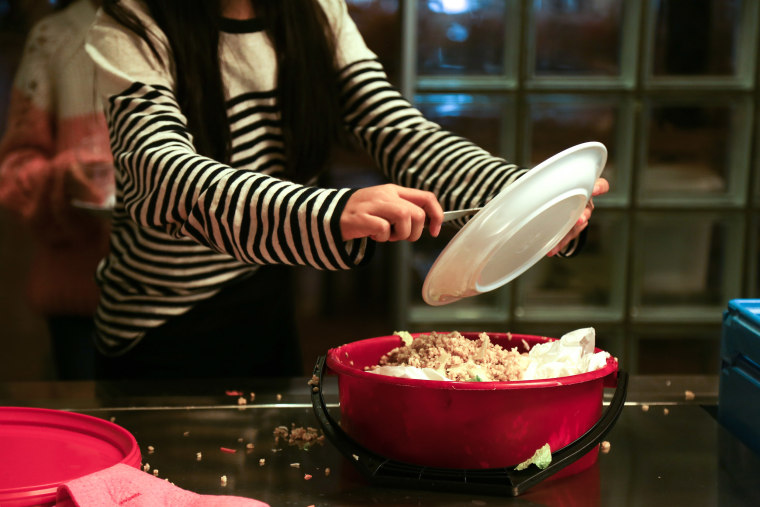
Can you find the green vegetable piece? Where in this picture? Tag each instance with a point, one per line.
(541, 458)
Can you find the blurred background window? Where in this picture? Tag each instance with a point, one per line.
(669, 86)
(579, 38)
(696, 37)
(461, 37)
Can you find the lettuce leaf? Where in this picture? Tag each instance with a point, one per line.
(541, 458)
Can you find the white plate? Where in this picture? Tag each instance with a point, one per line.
(517, 228)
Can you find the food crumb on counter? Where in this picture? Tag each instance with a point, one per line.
(240, 440)
(146, 467)
(151, 449)
(295, 465)
(645, 408)
(249, 446)
(186, 434)
(605, 447)
(279, 397)
(242, 401)
(307, 477)
(668, 382)
(223, 480)
(302, 437)
(313, 381)
(155, 472)
(665, 411)
(113, 418)
(262, 462)
(327, 472)
(280, 432)
(252, 396)
(356, 458)
(689, 395)
(198, 456)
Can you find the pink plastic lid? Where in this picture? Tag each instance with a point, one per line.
(40, 449)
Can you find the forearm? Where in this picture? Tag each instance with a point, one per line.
(413, 151)
(254, 217)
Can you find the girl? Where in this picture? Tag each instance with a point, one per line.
(222, 114)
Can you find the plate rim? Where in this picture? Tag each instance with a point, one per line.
(596, 146)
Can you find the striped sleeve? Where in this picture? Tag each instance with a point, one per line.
(169, 187)
(165, 186)
(413, 151)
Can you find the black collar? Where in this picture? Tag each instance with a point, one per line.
(230, 25)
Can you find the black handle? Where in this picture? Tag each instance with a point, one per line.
(506, 480)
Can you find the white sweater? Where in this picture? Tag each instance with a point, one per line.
(55, 128)
(185, 225)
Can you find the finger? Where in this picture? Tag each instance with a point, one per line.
(366, 226)
(585, 216)
(435, 223)
(400, 229)
(383, 232)
(417, 225)
(574, 232)
(601, 186)
(407, 219)
(429, 203)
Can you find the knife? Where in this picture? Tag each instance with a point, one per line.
(459, 213)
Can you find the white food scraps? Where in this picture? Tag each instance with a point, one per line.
(572, 354)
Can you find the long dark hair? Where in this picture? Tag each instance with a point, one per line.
(306, 94)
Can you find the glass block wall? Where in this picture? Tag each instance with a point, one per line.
(670, 87)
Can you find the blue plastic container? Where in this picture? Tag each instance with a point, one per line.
(739, 392)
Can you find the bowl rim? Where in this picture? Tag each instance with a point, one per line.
(339, 366)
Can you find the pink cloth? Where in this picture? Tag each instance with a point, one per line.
(125, 486)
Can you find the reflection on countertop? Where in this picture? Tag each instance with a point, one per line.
(665, 449)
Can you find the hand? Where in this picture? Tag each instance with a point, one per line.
(601, 186)
(390, 213)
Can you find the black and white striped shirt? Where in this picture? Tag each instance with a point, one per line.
(185, 225)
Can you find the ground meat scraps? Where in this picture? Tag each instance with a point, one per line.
(459, 358)
(302, 437)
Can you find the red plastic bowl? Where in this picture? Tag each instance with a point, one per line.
(470, 425)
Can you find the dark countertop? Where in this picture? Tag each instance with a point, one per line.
(665, 449)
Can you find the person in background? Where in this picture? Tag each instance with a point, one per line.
(222, 115)
(54, 152)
